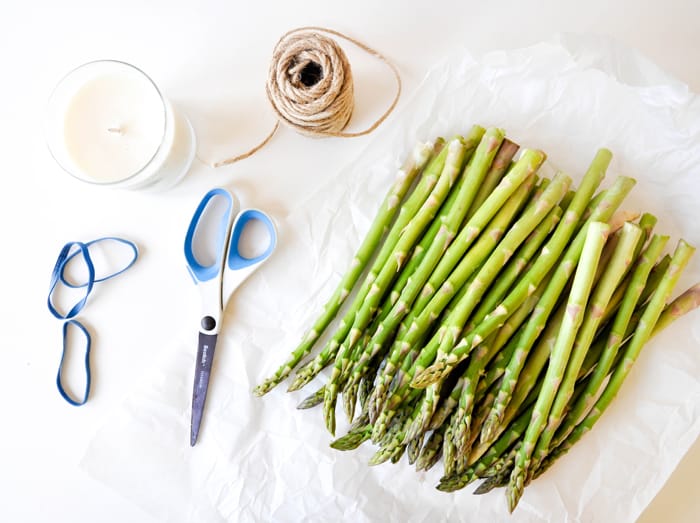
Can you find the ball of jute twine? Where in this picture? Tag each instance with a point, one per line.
(310, 86)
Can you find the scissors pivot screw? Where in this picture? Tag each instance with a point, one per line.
(208, 323)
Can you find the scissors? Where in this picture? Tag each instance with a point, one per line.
(218, 268)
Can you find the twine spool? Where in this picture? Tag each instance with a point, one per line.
(310, 86)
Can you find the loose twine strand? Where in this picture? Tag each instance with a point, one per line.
(310, 86)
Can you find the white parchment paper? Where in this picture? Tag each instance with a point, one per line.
(262, 460)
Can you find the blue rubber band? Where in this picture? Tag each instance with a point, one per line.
(68, 252)
(59, 383)
(63, 256)
(128, 243)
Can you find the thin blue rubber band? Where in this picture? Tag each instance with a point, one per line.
(59, 383)
(63, 256)
(128, 243)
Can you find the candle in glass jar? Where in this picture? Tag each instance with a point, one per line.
(109, 124)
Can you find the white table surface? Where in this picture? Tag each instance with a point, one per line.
(210, 58)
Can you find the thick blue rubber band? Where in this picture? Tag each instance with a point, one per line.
(68, 252)
(59, 383)
(128, 243)
(63, 257)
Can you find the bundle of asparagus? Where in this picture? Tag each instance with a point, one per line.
(499, 313)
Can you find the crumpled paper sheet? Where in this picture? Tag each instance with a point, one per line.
(262, 460)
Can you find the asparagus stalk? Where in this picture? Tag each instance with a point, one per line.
(367, 381)
(515, 268)
(654, 318)
(387, 211)
(497, 367)
(350, 399)
(359, 432)
(446, 362)
(481, 357)
(517, 234)
(380, 283)
(432, 450)
(473, 258)
(423, 322)
(395, 437)
(686, 302)
(509, 399)
(617, 334)
(528, 382)
(504, 162)
(596, 234)
(449, 452)
(413, 449)
(485, 154)
(504, 443)
(447, 405)
(407, 212)
(500, 479)
(500, 162)
(551, 253)
(618, 264)
(482, 405)
(312, 400)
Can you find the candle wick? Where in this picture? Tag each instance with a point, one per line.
(117, 130)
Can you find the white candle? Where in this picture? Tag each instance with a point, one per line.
(109, 124)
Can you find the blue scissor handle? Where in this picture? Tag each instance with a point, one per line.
(207, 272)
(235, 259)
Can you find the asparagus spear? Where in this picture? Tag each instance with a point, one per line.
(617, 334)
(395, 436)
(653, 320)
(518, 233)
(505, 442)
(474, 174)
(432, 450)
(504, 162)
(449, 452)
(387, 211)
(312, 400)
(500, 162)
(447, 404)
(500, 479)
(619, 261)
(380, 283)
(686, 302)
(482, 405)
(528, 382)
(422, 323)
(473, 258)
(445, 362)
(481, 357)
(506, 405)
(498, 167)
(515, 236)
(407, 212)
(413, 449)
(596, 234)
(359, 432)
(515, 267)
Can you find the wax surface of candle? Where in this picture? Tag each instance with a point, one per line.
(114, 125)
